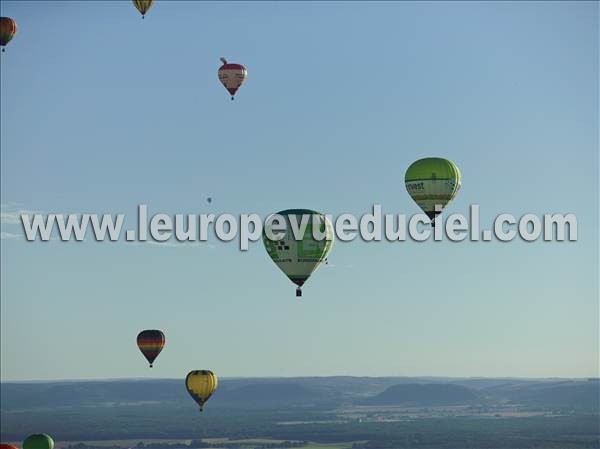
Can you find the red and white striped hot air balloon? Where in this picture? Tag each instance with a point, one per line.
(232, 76)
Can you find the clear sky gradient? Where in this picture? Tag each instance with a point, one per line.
(102, 111)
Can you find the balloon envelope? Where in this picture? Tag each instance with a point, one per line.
(298, 259)
(232, 76)
(8, 29)
(432, 181)
(151, 342)
(143, 6)
(201, 384)
(8, 446)
(38, 441)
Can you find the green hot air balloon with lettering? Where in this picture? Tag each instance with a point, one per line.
(298, 256)
(432, 182)
(38, 441)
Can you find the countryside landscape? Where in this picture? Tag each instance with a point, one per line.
(311, 412)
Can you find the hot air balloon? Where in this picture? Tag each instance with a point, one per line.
(209, 200)
(432, 181)
(151, 343)
(38, 441)
(201, 384)
(143, 6)
(232, 76)
(8, 446)
(8, 29)
(299, 259)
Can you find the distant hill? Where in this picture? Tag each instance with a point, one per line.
(242, 393)
(67, 394)
(268, 392)
(422, 395)
(575, 394)
(324, 392)
(276, 394)
(243, 408)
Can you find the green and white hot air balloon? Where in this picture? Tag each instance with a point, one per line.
(298, 259)
(432, 181)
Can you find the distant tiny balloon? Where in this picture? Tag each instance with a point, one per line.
(209, 200)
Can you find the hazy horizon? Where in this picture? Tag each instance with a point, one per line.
(304, 377)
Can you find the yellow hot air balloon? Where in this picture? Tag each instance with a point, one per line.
(201, 384)
(143, 6)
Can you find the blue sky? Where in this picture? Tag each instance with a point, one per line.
(102, 111)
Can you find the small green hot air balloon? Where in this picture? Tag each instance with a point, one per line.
(38, 441)
(298, 259)
(432, 181)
